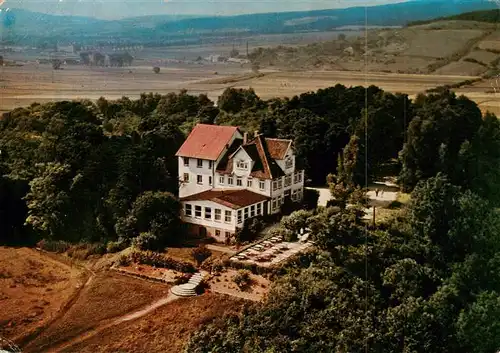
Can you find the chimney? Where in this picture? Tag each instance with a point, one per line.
(256, 133)
(245, 138)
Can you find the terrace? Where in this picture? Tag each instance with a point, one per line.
(272, 251)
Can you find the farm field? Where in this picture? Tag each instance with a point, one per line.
(21, 86)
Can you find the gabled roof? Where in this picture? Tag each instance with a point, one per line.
(234, 199)
(265, 167)
(206, 141)
(278, 147)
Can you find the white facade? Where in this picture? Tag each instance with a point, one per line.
(199, 169)
(199, 175)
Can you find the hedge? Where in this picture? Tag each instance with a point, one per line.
(159, 260)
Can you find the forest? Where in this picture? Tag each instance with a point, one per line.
(426, 280)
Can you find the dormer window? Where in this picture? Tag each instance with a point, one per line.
(289, 162)
(242, 165)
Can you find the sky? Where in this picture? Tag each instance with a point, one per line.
(115, 9)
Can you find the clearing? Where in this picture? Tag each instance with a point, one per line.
(166, 329)
(33, 288)
(108, 296)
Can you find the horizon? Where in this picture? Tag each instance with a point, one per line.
(114, 10)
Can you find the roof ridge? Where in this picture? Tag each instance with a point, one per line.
(265, 154)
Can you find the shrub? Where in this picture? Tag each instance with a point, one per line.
(200, 254)
(250, 230)
(181, 279)
(310, 199)
(123, 260)
(202, 287)
(242, 279)
(296, 221)
(57, 246)
(83, 251)
(217, 267)
(158, 260)
(145, 241)
(116, 246)
(286, 234)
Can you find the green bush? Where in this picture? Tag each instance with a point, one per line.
(123, 260)
(181, 279)
(158, 260)
(57, 246)
(286, 234)
(83, 251)
(116, 246)
(146, 241)
(242, 279)
(200, 254)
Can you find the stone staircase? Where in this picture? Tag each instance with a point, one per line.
(188, 289)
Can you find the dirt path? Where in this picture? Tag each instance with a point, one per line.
(128, 317)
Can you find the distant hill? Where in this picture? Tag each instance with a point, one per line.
(488, 16)
(21, 26)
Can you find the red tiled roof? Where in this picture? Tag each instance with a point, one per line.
(265, 166)
(277, 147)
(206, 141)
(234, 199)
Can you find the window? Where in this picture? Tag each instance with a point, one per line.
(199, 179)
(228, 235)
(262, 184)
(186, 177)
(249, 183)
(230, 180)
(275, 185)
(239, 182)
(197, 211)
(289, 162)
(209, 164)
(186, 161)
(275, 204)
(208, 213)
(218, 215)
(188, 210)
(199, 163)
(288, 180)
(240, 216)
(217, 233)
(209, 180)
(252, 211)
(246, 213)
(221, 180)
(259, 208)
(227, 217)
(242, 165)
(298, 177)
(280, 183)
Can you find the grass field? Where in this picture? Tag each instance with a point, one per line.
(164, 330)
(98, 312)
(33, 288)
(109, 295)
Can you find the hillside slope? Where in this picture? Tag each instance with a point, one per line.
(488, 16)
(445, 47)
(22, 26)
